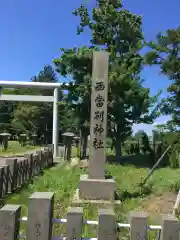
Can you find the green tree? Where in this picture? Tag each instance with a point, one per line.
(165, 52)
(35, 117)
(6, 112)
(119, 32)
(77, 62)
(26, 118)
(138, 135)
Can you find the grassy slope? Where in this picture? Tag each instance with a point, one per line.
(14, 148)
(63, 181)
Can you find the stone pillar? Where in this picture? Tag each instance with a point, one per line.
(94, 186)
(68, 136)
(9, 222)
(170, 228)
(107, 229)
(74, 223)
(34, 138)
(40, 213)
(98, 126)
(139, 223)
(77, 140)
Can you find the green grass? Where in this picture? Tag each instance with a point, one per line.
(63, 181)
(14, 147)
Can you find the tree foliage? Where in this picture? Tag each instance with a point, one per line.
(119, 32)
(33, 117)
(166, 53)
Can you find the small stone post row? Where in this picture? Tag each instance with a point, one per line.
(106, 229)
(39, 225)
(40, 214)
(139, 226)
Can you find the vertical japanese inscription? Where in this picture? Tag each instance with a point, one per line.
(98, 128)
(38, 230)
(73, 234)
(98, 112)
(6, 231)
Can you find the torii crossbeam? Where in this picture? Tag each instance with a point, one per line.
(34, 98)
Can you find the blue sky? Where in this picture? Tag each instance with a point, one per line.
(32, 31)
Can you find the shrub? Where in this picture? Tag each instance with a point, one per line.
(175, 186)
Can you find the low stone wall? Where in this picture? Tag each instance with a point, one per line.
(15, 172)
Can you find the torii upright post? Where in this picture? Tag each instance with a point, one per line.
(55, 137)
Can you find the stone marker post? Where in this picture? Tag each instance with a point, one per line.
(94, 186)
(40, 214)
(74, 223)
(9, 222)
(98, 115)
(107, 228)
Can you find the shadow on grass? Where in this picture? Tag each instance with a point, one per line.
(139, 160)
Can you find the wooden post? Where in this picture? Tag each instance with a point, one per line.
(9, 222)
(40, 213)
(50, 158)
(12, 162)
(37, 163)
(18, 174)
(21, 173)
(34, 167)
(43, 160)
(6, 179)
(23, 169)
(39, 153)
(1, 181)
(138, 221)
(30, 165)
(26, 169)
(74, 223)
(46, 158)
(107, 229)
(170, 228)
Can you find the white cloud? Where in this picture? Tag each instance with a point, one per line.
(161, 120)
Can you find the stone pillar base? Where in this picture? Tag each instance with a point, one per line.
(96, 189)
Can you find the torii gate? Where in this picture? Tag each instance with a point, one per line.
(35, 98)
